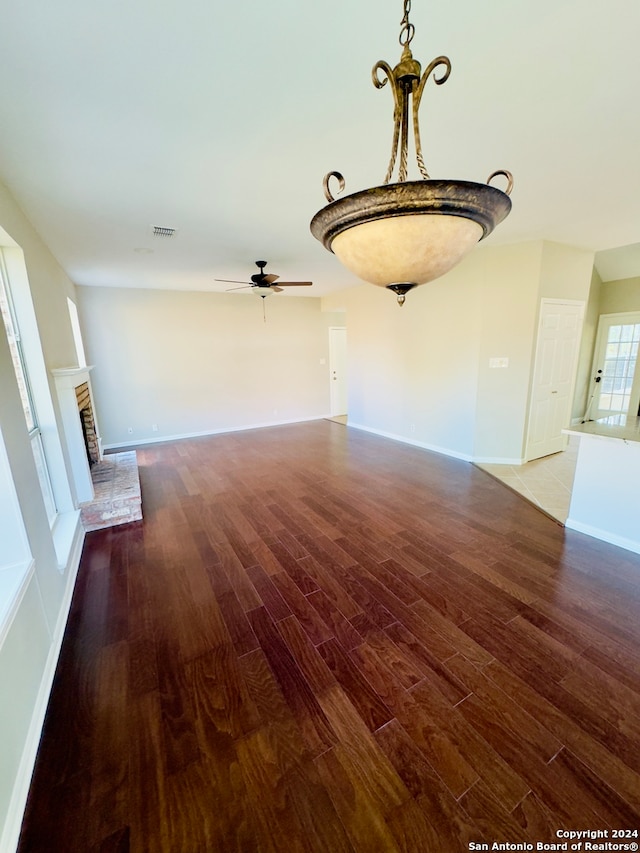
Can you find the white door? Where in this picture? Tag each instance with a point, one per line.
(338, 370)
(616, 381)
(553, 376)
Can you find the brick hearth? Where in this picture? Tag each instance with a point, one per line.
(117, 498)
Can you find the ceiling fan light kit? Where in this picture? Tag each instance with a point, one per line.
(264, 291)
(399, 235)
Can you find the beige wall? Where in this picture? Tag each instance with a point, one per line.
(509, 302)
(422, 373)
(194, 362)
(411, 370)
(565, 272)
(619, 297)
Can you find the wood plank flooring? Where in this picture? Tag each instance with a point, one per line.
(321, 640)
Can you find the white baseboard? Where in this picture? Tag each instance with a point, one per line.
(18, 802)
(445, 451)
(498, 460)
(604, 535)
(179, 436)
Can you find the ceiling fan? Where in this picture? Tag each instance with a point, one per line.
(264, 283)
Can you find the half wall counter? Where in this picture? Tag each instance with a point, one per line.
(605, 501)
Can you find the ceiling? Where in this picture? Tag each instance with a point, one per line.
(221, 119)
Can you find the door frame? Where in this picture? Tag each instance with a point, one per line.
(544, 302)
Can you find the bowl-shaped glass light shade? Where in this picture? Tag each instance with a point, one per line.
(409, 232)
(413, 249)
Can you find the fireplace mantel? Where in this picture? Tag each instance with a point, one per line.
(72, 371)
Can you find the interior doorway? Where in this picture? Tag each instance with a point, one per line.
(338, 370)
(554, 373)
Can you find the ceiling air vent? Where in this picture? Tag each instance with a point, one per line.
(162, 231)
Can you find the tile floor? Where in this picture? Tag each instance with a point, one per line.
(546, 482)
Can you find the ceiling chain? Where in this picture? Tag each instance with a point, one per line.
(407, 30)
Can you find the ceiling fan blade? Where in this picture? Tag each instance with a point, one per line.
(295, 283)
(270, 278)
(276, 288)
(244, 287)
(231, 281)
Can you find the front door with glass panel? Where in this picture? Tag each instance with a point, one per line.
(616, 379)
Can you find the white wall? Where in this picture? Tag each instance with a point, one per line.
(194, 362)
(509, 303)
(422, 373)
(412, 369)
(604, 500)
(32, 634)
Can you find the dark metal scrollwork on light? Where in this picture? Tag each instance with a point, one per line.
(345, 225)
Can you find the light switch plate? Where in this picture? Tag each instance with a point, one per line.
(503, 361)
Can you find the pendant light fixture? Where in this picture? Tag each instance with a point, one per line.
(402, 234)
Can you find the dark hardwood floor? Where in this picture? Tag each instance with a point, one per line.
(321, 640)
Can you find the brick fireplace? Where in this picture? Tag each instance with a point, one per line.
(73, 383)
(107, 488)
(88, 423)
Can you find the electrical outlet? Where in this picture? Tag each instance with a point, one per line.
(154, 427)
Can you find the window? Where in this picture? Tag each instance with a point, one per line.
(19, 363)
(77, 334)
(620, 360)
